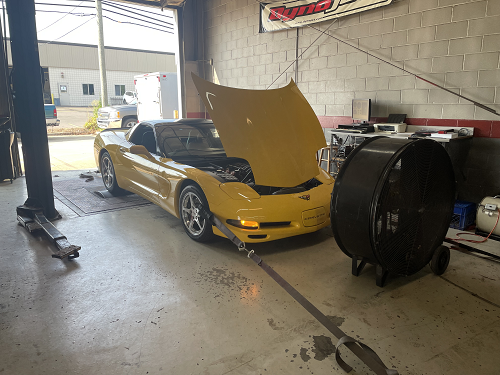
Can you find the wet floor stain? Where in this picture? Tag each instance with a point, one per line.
(220, 276)
(274, 326)
(303, 354)
(320, 348)
(225, 283)
(323, 347)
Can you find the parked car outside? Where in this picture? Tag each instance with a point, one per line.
(129, 97)
(118, 116)
(51, 115)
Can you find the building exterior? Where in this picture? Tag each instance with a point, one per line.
(71, 71)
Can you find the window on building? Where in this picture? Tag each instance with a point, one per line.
(119, 90)
(88, 89)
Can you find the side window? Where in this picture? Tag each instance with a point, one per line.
(88, 88)
(168, 143)
(119, 90)
(144, 135)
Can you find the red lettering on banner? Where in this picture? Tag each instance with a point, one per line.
(276, 13)
(289, 14)
(302, 10)
(323, 5)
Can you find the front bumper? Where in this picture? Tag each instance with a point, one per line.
(52, 121)
(111, 123)
(304, 216)
(271, 234)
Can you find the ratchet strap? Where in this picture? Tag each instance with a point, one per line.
(362, 351)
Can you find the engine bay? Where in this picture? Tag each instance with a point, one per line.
(228, 169)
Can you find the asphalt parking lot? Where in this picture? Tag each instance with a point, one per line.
(73, 117)
(70, 152)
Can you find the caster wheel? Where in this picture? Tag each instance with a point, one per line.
(440, 260)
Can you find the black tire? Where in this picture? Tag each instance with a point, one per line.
(196, 227)
(108, 174)
(128, 123)
(440, 260)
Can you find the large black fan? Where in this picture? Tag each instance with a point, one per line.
(392, 204)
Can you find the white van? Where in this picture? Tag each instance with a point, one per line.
(156, 96)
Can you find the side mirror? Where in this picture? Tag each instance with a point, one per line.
(140, 150)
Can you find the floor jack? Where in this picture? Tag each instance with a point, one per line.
(33, 219)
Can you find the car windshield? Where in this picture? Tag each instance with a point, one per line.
(189, 140)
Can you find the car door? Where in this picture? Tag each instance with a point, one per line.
(170, 173)
(140, 171)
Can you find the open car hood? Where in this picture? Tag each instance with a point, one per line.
(276, 131)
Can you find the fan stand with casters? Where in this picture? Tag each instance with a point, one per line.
(439, 264)
(440, 260)
(380, 272)
(392, 204)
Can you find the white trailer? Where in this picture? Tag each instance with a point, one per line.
(156, 96)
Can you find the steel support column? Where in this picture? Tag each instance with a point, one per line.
(102, 54)
(181, 67)
(28, 105)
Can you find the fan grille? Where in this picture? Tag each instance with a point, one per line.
(412, 208)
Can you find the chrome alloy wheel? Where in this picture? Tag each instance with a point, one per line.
(190, 207)
(108, 172)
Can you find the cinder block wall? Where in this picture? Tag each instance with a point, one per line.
(454, 43)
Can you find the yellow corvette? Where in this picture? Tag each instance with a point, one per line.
(253, 167)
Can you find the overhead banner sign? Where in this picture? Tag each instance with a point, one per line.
(279, 15)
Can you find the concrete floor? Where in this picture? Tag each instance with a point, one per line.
(145, 299)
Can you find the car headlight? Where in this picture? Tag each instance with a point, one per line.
(115, 114)
(244, 224)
